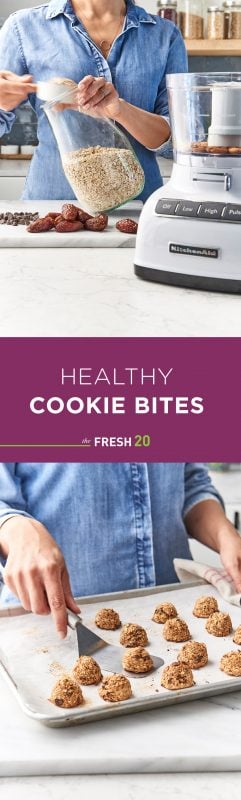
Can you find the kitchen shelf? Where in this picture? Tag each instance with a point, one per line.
(15, 157)
(213, 47)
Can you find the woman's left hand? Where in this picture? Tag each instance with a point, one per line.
(98, 98)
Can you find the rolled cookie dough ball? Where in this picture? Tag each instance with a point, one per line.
(133, 635)
(176, 630)
(66, 693)
(231, 664)
(137, 660)
(87, 671)
(177, 676)
(115, 688)
(219, 624)
(194, 655)
(108, 619)
(205, 606)
(163, 612)
(237, 635)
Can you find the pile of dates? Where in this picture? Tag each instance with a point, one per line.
(72, 219)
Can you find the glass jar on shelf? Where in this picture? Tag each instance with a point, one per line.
(232, 19)
(167, 9)
(191, 18)
(215, 22)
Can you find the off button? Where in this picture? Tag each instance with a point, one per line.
(166, 207)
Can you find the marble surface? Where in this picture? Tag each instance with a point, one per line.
(95, 293)
(124, 787)
(204, 736)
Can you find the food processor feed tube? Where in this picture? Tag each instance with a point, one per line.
(189, 232)
(97, 158)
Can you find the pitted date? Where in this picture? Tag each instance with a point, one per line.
(65, 226)
(70, 212)
(98, 223)
(127, 226)
(41, 225)
(83, 215)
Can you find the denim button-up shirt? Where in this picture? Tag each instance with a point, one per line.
(51, 41)
(119, 526)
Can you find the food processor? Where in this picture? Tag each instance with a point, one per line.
(190, 230)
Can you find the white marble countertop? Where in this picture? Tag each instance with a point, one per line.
(95, 293)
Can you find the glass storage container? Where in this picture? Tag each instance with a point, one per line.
(167, 10)
(205, 115)
(232, 19)
(215, 22)
(97, 158)
(191, 18)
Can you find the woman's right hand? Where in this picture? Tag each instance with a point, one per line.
(14, 89)
(35, 570)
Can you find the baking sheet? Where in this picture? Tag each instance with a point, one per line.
(11, 236)
(32, 657)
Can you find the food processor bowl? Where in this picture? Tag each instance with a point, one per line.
(205, 112)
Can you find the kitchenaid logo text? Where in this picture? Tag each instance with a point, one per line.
(129, 377)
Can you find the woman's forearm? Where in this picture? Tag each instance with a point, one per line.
(208, 523)
(151, 130)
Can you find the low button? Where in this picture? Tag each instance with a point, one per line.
(187, 209)
(211, 210)
(232, 213)
(166, 207)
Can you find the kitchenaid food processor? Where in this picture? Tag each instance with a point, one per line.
(190, 230)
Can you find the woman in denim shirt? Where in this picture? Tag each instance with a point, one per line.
(104, 528)
(117, 52)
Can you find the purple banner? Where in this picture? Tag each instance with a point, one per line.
(120, 399)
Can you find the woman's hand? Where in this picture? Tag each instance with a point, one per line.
(230, 554)
(36, 571)
(14, 89)
(98, 97)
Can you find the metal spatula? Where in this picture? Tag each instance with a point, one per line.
(109, 656)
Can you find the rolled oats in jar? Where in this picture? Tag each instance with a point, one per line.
(215, 22)
(191, 19)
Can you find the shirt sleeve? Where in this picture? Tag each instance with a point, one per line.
(176, 62)
(198, 487)
(11, 58)
(12, 501)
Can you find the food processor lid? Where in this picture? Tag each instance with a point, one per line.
(166, 3)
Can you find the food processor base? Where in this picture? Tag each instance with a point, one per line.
(185, 281)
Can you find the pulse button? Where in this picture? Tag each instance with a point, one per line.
(232, 213)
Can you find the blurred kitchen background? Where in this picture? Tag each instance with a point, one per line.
(208, 51)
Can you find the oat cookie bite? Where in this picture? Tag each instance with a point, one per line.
(205, 606)
(115, 688)
(194, 655)
(133, 635)
(177, 676)
(108, 619)
(163, 612)
(66, 693)
(137, 659)
(176, 630)
(237, 635)
(219, 624)
(87, 671)
(231, 664)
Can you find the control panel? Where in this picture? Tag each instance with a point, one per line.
(221, 212)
